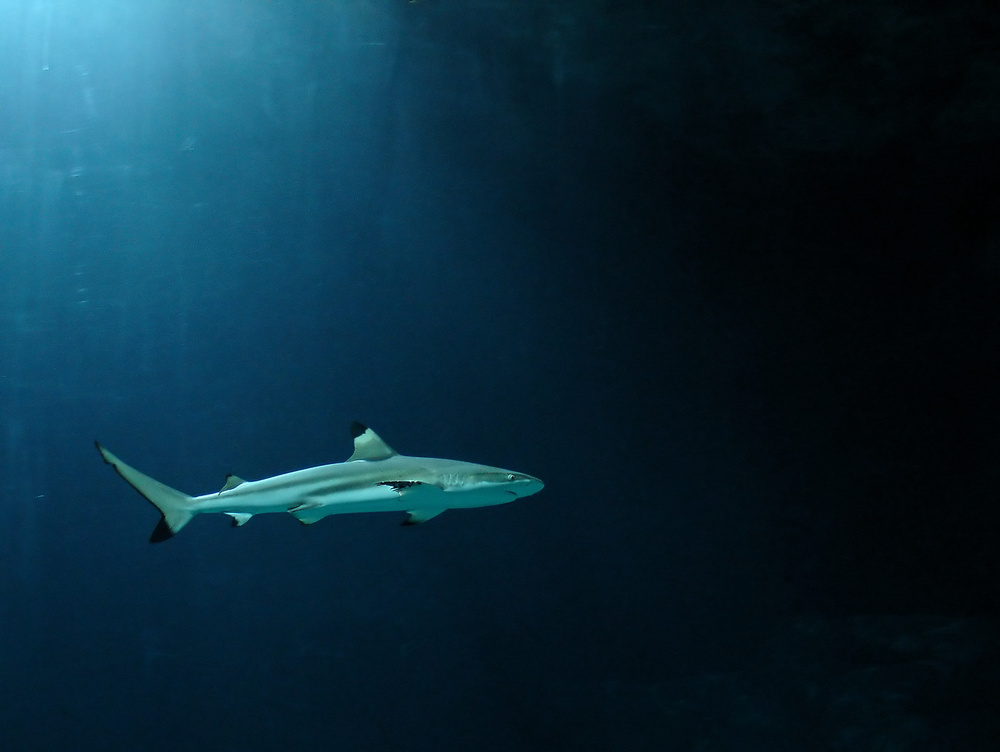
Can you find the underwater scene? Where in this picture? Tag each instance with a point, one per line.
(421, 375)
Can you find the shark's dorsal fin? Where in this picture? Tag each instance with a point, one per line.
(231, 482)
(368, 446)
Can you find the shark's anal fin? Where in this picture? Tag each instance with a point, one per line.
(416, 516)
(240, 518)
(232, 482)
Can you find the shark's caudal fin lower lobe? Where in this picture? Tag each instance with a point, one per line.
(174, 506)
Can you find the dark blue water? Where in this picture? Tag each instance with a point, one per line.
(733, 302)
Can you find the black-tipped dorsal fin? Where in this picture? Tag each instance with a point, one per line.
(231, 482)
(368, 446)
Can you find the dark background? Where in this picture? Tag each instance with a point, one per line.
(723, 274)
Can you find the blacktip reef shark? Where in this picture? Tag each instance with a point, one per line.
(375, 478)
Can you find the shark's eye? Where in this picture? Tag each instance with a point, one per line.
(511, 476)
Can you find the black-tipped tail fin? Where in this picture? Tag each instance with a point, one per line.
(175, 507)
(161, 532)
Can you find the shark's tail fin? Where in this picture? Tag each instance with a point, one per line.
(176, 507)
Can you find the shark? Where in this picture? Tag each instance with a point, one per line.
(375, 478)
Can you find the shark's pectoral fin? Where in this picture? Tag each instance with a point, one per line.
(416, 516)
(240, 518)
(402, 486)
(416, 493)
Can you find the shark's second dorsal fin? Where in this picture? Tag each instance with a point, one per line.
(368, 446)
(231, 482)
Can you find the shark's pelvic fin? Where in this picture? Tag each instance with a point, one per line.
(307, 512)
(368, 446)
(173, 505)
(417, 516)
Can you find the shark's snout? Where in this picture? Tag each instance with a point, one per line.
(529, 485)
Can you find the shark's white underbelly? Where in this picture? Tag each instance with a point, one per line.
(248, 499)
